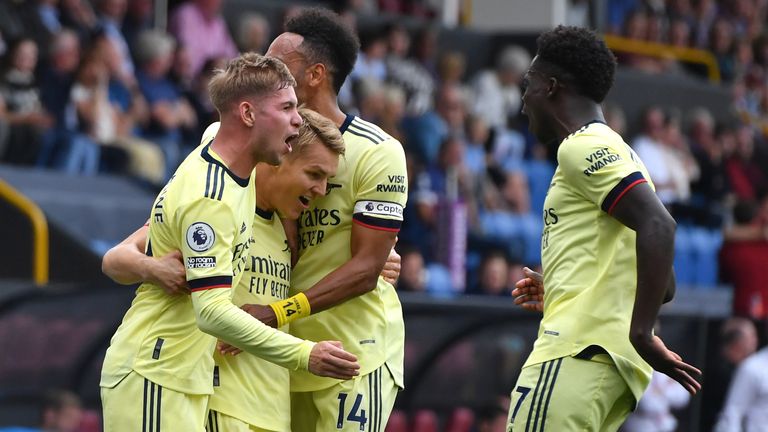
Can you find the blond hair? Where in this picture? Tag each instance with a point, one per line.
(248, 75)
(315, 126)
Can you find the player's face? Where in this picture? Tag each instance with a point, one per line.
(285, 48)
(276, 124)
(536, 86)
(301, 178)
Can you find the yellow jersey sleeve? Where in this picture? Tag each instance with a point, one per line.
(208, 228)
(601, 170)
(381, 181)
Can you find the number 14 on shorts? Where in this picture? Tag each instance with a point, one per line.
(356, 414)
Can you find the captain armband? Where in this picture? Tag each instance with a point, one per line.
(291, 309)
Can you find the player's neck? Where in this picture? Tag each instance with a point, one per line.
(574, 114)
(231, 145)
(326, 105)
(263, 173)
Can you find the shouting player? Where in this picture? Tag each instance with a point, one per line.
(158, 371)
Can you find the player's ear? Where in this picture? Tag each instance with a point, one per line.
(246, 113)
(316, 74)
(552, 86)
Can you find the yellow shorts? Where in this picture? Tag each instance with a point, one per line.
(138, 404)
(570, 394)
(220, 422)
(360, 404)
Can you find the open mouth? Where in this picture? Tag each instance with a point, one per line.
(291, 140)
(304, 201)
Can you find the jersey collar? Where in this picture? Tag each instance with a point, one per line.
(264, 214)
(346, 123)
(206, 154)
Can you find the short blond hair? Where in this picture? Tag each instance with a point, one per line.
(315, 126)
(248, 75)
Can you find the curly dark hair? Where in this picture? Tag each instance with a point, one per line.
(327, 40)
(580, 57)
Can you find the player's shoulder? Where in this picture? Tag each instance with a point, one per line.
(594, 135)
(203, 177)
(360, 131)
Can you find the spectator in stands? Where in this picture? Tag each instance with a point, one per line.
(721, 43)
(418, 276)
(200, 99)
(426, 133)
(97, 117)
(369, 66)
(737, 340)
(418, 83)
(253, 33)
(57, 76)
(60, 411)
(638, 27)
(424, 49)
(111, 14)
(79, 16)
(709, 191)
(747, 174)
(138, 17)
(373, 52)
(23, 110)
(704, 14)
(144, 159)
(392, 112)
(663, 165)
(199, 24)
(169, 111)
(743, 259)
(370, 98)
(493, 278)
(746, 405)
(451, 68)
(496, 93)
(39, 21)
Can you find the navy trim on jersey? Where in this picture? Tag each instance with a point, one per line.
(264, 214)
(210, 282)
(208, 181)
(221, 185)
(243, 182)
(150, 423)
(377, 223)
(549, 395)
(354, 130)
(367, 128)
(346, 123)
(620, 189)
(216, 176)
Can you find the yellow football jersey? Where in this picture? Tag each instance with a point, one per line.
(206, 211)
(245, 386)
(589, 258)
(370, 189)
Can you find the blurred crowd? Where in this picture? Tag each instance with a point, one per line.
(712, 176)
(91, 87)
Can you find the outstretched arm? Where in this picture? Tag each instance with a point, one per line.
(127, 264)
(640, 210)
